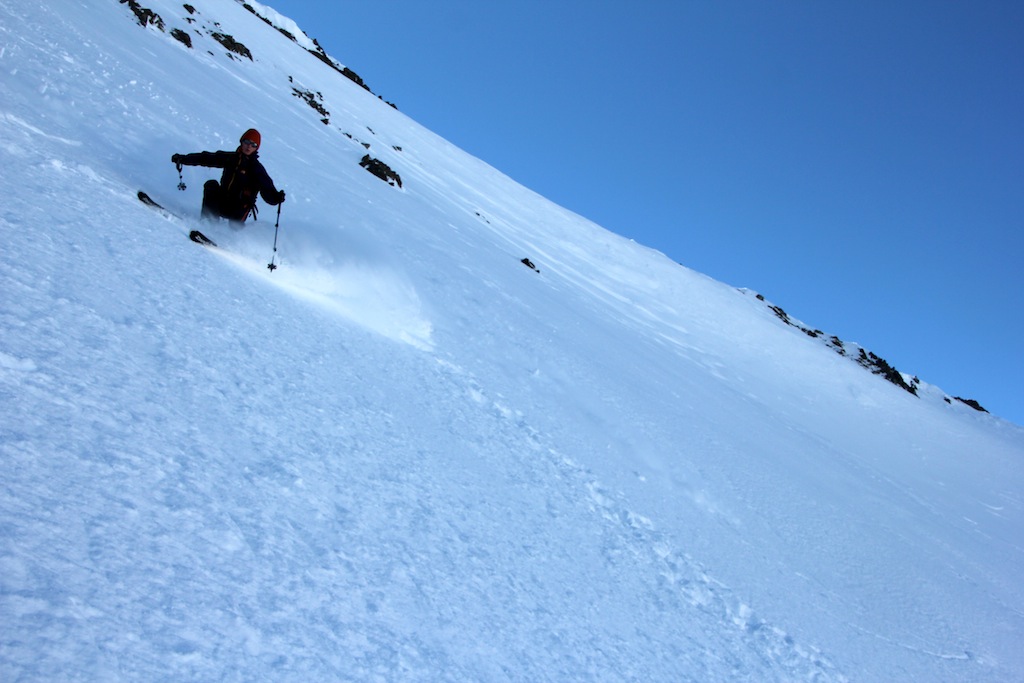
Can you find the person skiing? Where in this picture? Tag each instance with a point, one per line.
(234, 197)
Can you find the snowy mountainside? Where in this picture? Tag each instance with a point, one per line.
(404, 455)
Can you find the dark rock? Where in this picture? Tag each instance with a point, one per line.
(381, 170)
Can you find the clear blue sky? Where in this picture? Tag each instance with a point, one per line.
(861, 164)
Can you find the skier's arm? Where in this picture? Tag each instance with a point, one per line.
(209, 159)
(271, 195)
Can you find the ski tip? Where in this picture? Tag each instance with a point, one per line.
(200, 238)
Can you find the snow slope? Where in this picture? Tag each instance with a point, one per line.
(405, 456)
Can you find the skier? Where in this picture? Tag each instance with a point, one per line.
(234, 197)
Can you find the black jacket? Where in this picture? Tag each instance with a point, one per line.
(243, 177)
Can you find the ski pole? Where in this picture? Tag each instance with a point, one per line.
(270, 266)
(181, 181)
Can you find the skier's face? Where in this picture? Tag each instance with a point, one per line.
(248, 147)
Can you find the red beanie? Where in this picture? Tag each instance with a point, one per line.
(251, 134)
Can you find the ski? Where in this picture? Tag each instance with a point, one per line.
(150, 202)
(195, 235)
(200, 238)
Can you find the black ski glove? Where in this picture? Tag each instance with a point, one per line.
(280, 197)
(175, 158)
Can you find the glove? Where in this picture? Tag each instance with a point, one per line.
(175, 158)
(280, 197)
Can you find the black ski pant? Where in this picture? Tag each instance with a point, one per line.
(214, 204)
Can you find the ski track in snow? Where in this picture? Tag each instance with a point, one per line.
(405, 456)
(339, 286)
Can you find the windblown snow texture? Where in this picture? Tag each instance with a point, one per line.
(403, 456)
